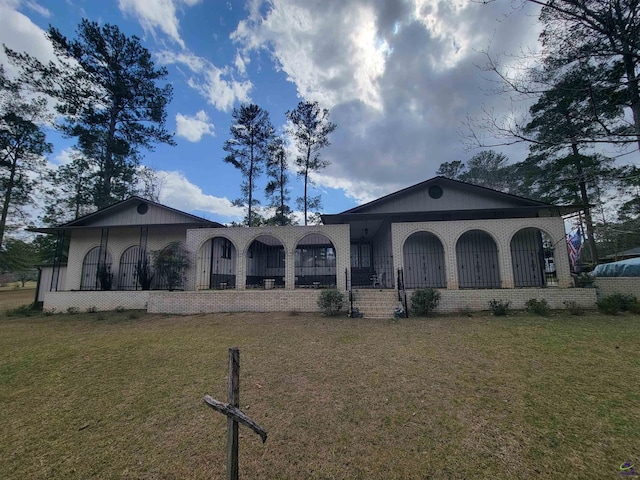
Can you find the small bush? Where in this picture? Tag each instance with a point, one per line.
(330, 302)
(424, 301)
(618, 302)
(133, 316)
(538, 307)
(500, 308)
(49, 311)
(92, 309)
(119, 309)
(72, 310)
(572, 307)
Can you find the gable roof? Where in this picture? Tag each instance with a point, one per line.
(115, 215)
(462, 200)
(440, 180)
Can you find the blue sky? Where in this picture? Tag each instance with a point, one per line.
(399, 79)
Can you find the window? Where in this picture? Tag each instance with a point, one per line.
(226, 248)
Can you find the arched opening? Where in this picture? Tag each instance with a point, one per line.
(265, 263)
(423, 256)
(133, 262)
(532, 257)
(477, 257)
(216, 264)
(96, 270)
(315, 262)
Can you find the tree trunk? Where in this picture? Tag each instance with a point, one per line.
(585, 200)
(7, 198)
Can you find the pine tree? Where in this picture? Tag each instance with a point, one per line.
(310, 133)
(248, 151)
(106, 87)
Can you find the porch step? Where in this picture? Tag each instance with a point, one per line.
(375, 303)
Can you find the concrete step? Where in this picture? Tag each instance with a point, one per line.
(375, 303)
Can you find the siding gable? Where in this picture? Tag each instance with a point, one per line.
(455, 196)
(137, 211)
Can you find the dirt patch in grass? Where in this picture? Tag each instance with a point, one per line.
(111, 396)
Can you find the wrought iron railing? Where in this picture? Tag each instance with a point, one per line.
(402, 293)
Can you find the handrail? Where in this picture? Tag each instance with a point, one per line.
(349, 292)
(402, 293)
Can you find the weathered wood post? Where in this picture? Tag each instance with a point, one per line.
(234, 414)
(233, 397)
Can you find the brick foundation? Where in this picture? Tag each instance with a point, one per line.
(609, 285)
(101, 300)
(276, 300)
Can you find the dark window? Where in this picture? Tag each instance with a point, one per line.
(143, 208)
(226, 248)
(435, 192)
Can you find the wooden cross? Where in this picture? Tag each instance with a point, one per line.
(234, 414)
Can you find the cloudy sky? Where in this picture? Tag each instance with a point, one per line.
(398, 77)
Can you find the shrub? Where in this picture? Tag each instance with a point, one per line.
(105, 277)
(539, 307)
(72, 310)
(145, 273)
(170, 265)
(500, 308)
(618, 302)
(92, 309)
(330, 302)
(119, 309)
(573, 307)
(424, 301)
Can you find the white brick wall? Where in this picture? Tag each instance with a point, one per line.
(277, 300)
(453, 301)
(61, 301)
(502, 231)
(242, 237)
(609, 285)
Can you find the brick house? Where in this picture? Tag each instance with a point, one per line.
(473, 243)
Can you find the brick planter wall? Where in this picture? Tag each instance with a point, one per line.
(276, 300)
(101, 300)
(609, 285)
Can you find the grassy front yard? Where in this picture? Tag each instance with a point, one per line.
(119, 395)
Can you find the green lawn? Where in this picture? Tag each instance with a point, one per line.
(120, 395)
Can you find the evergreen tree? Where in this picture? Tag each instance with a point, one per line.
(105, 85)
(276, 188)
(561, 124)
(22, 149)
(310, 129)
(248, 151)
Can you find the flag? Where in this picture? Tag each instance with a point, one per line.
(574, 243)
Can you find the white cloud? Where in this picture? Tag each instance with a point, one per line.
(157, 14)
(65, 156)
(399, 77)
(332, 55)
(19, 33)
(178, 192)
(38, 9)
(216, 85)
(193, 128)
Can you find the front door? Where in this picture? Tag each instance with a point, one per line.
(362, 272)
